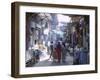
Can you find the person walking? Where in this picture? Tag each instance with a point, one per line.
(58, 50)
(51, 49)
(64, 52)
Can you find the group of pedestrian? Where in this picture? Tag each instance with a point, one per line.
(58, 51)
(81, 55)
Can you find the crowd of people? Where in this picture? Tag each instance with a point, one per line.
(60, 50)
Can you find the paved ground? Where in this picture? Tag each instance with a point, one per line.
(46, 61)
